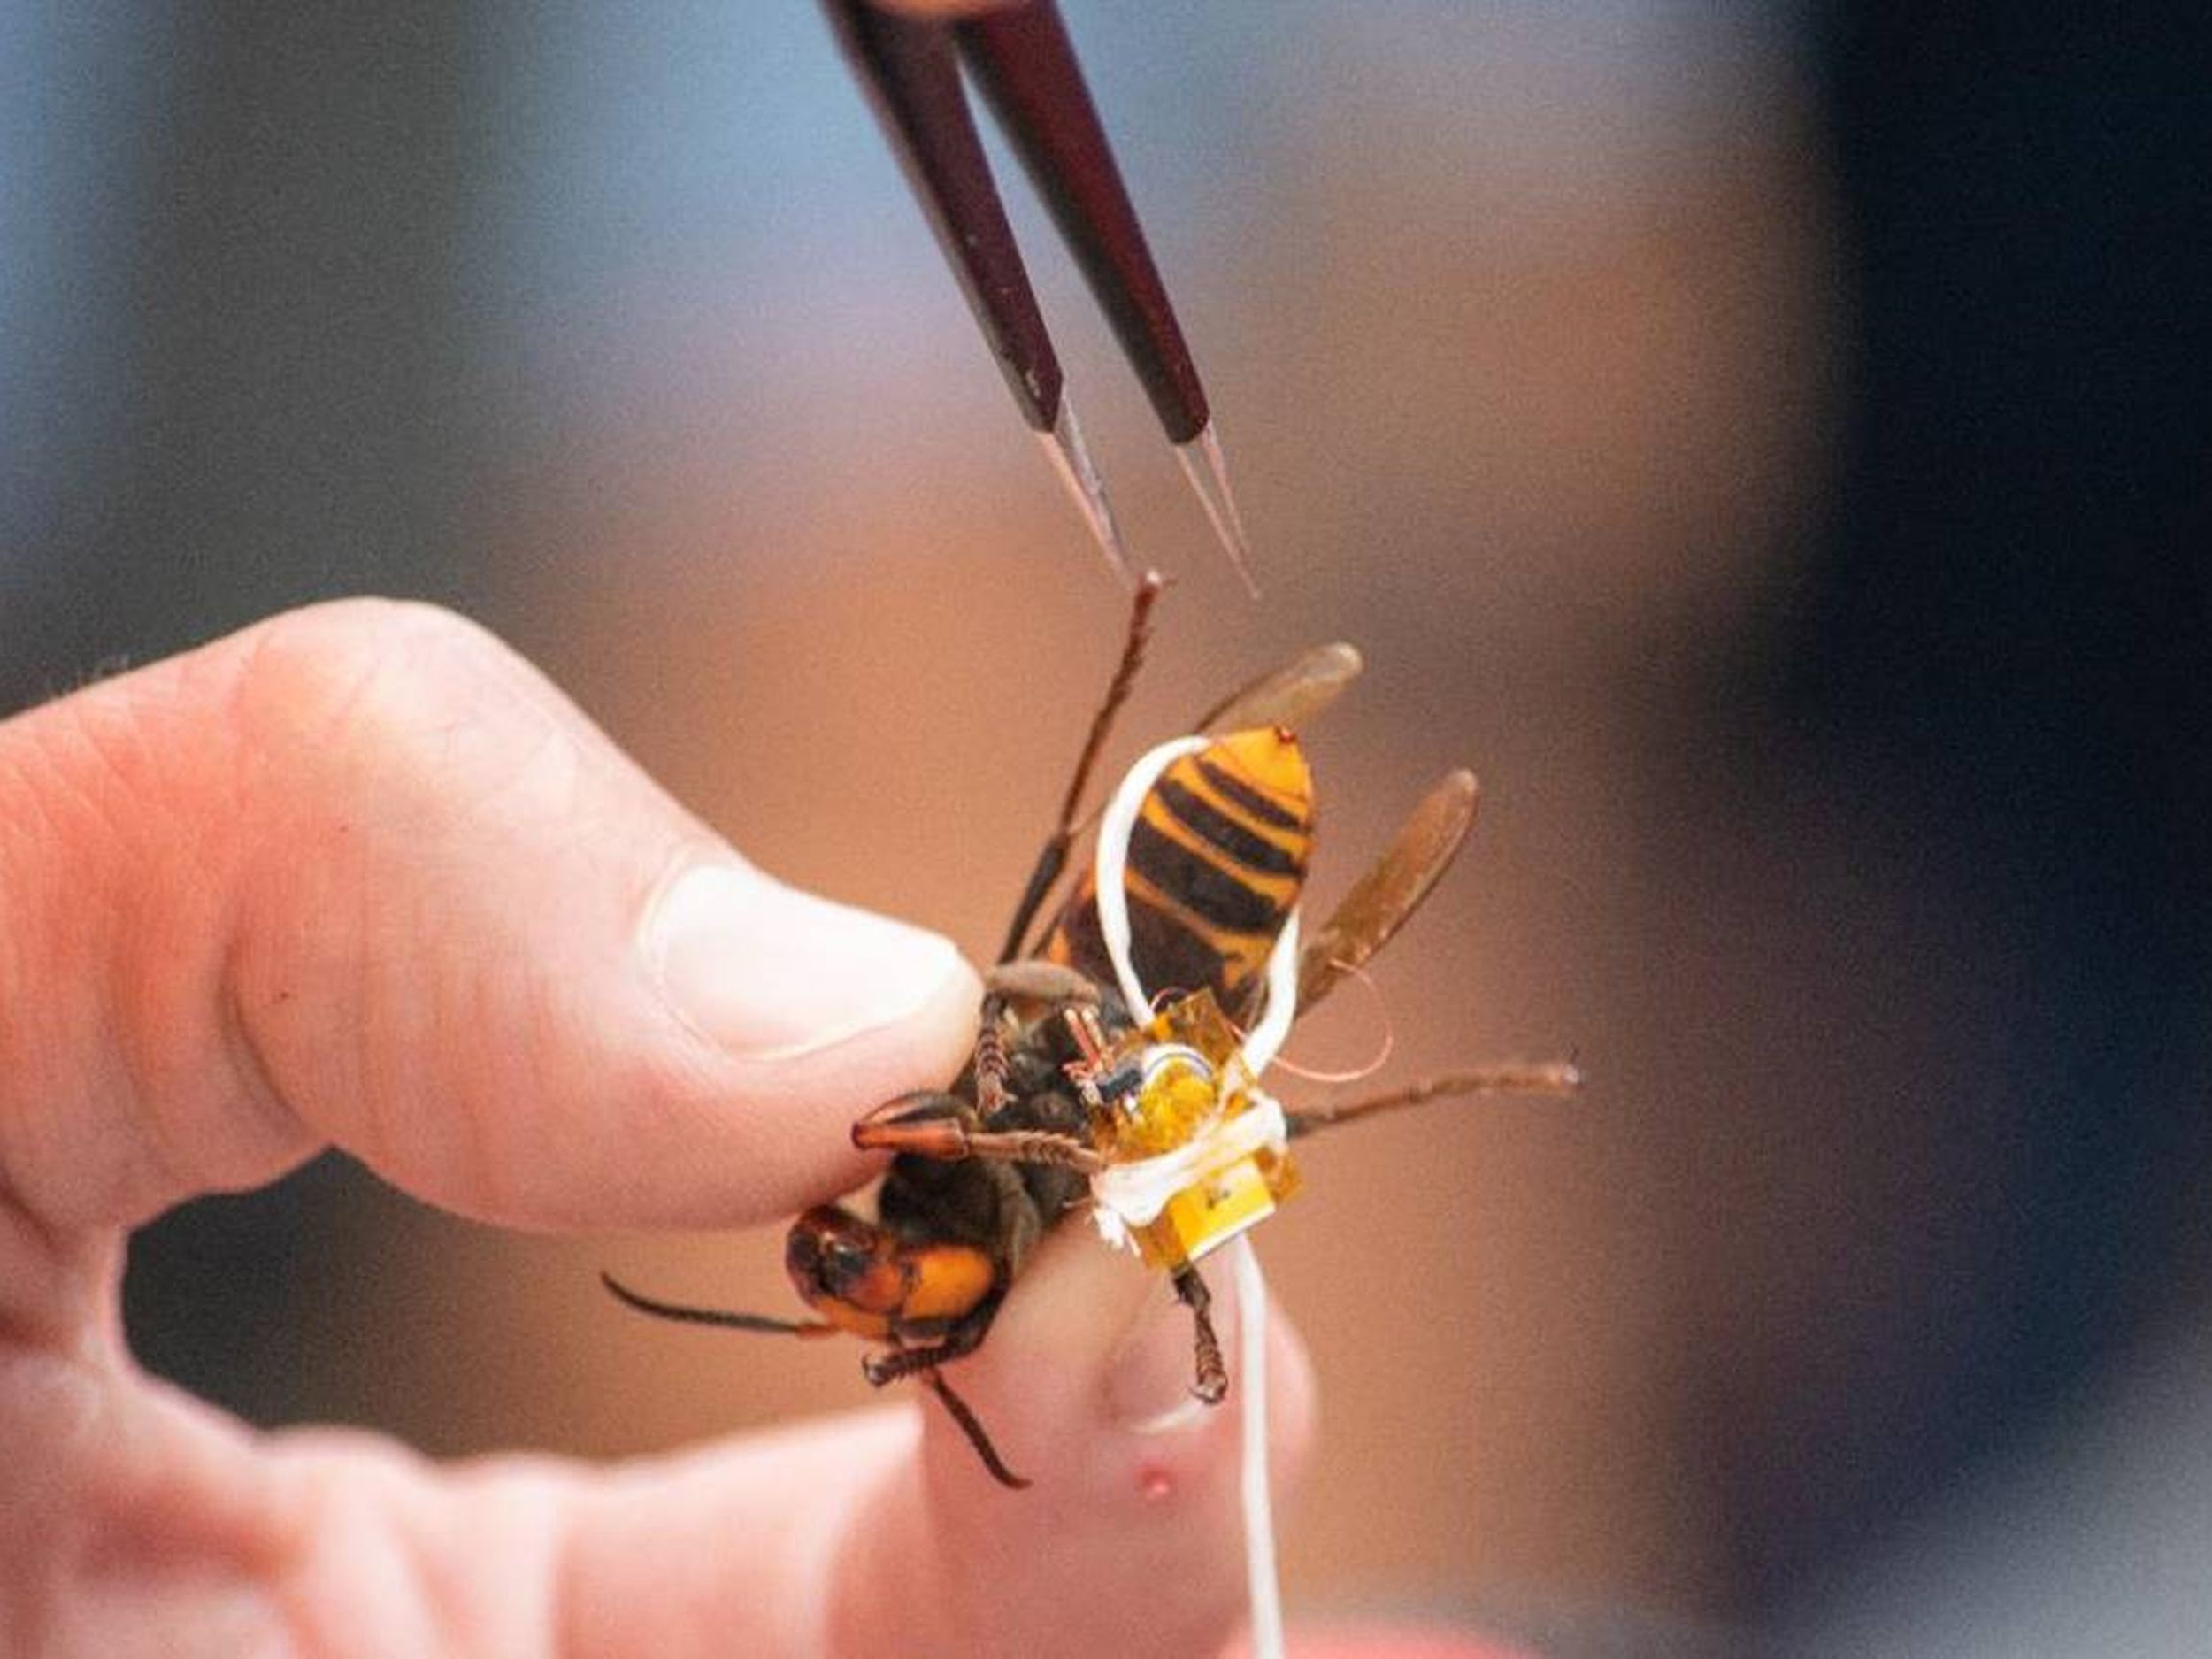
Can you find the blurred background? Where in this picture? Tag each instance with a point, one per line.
(1770, 444)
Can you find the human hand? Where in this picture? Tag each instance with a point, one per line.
(359, 877)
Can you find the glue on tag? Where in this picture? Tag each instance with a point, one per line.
(1203, 1217)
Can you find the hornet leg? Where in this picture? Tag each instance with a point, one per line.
(934, 1124)
(971, 1425)
(1212, 1383)
(1054, 858)
(1028, 980)
(1554, 1077)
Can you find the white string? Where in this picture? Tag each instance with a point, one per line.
(1264, 1590)
(1114, 827)
(1268, 1037)
(1262, 1586)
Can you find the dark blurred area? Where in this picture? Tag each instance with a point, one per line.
(1774, 448)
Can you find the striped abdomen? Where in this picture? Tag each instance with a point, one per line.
(1216, 862)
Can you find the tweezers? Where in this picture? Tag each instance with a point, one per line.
(1022, 61)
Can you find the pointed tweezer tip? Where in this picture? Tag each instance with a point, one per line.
(1208, 470)
(1078, 473)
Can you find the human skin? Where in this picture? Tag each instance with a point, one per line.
(360, 877)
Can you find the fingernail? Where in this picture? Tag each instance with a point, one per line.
(769, 972)
(1151, 1377)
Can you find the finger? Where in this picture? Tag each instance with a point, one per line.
(159, 1522)
(359, 875)
(895, 1539)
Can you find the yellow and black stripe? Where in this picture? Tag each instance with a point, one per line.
(1217, 859)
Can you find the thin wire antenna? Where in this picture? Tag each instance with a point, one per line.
(1365, 1069)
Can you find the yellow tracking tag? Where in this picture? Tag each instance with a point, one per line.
(1195, 1150)
(1205, 1215)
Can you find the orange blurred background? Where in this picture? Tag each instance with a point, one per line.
(1530, 334)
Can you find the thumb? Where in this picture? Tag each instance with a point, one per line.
(359, 875)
